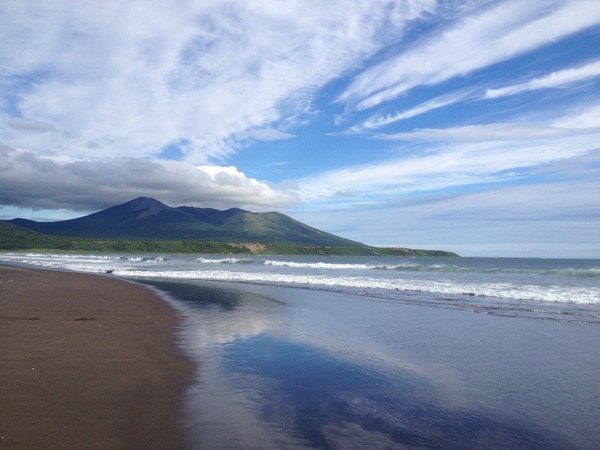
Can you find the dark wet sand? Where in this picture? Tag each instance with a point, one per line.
(86, 361)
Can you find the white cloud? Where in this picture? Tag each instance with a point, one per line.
(543, 219)
(31, 180)
(504, 31)
(277, 164)
(496, 132)
(559, 78)
(449, 166)
(458, 156)
(265, 134)
(118, 78)
(583, 118)
(430, 105)
(31, 126)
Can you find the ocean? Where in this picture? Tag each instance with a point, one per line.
(541, 288)
(378, 352)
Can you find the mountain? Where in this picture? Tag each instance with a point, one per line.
(148, 219)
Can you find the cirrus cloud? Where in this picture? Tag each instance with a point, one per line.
(114, 78)
(559, 78)
(459, 156)
(506, 30)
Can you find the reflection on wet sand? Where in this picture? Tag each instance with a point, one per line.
(283, 367)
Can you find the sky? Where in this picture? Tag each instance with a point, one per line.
(471, 126)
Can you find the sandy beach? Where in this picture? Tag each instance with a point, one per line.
(86, 362)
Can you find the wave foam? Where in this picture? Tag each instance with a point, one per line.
(318, 265)
(555, 294)
(226, 260)
(330, 275)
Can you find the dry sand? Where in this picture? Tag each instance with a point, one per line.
(86, 361)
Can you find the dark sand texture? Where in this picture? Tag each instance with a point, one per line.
(86, 362)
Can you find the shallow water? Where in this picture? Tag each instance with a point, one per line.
(282, 367)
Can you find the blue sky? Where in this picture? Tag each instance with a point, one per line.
(471, 126)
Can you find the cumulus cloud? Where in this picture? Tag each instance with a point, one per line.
(31, 180)
(476, 41)
(114, 78)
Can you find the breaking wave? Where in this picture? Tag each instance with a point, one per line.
(407, 267)
(560, 294)
(552, 282)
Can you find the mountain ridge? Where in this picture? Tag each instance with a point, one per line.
(145, 224)
(148, 218)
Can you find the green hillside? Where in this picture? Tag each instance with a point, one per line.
(13, 238)
(147, 225)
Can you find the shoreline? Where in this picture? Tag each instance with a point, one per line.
(88, 361)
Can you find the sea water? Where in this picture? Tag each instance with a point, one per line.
(367, 352)
(547, 288)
